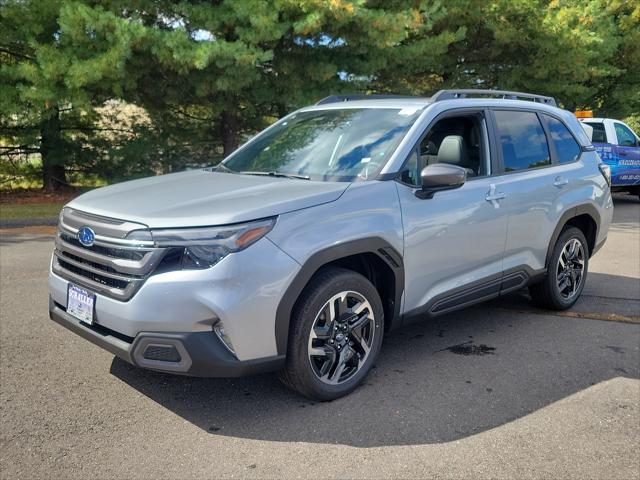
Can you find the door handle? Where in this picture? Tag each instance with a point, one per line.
(493, 196)
(622, 152)
(560, 182)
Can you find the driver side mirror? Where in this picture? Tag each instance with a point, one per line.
(440, 176)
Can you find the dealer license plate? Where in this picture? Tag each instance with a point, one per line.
(80, 303)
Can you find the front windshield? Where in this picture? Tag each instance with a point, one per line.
(328, 145)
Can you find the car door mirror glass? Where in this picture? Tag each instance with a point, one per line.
(440, 176)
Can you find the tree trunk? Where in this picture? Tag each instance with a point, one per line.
(53, 175)
(228, 132)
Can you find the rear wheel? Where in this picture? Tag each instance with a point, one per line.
(336, 334)
(566, 273)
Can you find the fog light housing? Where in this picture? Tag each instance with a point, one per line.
(218, 328)
(161, 353)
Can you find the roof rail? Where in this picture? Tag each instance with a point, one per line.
(349, 97)
(464, 93)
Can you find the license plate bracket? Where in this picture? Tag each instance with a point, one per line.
(81, 303)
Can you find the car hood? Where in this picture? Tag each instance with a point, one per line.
(202, 198)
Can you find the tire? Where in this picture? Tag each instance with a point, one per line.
(549, 293)
(348, 344)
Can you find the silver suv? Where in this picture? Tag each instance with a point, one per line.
(338, 223)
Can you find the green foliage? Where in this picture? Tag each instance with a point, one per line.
(30, 210)
(634, 122)
(190, 80)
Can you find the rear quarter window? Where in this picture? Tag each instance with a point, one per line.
(567, 149)
(599, 134)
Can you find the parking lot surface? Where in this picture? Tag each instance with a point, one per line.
(499, 390)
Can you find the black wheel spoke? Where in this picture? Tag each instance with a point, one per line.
(329, 363)
(324, 332)
(341, 306)
(360, 322)
(360, 344)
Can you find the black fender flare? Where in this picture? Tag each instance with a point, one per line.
(375, 245)
(573, 212)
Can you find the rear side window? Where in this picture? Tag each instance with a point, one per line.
(567, 148)
(599, 135)
(522, 139)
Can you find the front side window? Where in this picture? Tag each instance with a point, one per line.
(599, 133)
(567, 149)
(458, 140)
(327, 145)
(522, 139)
(626, 138)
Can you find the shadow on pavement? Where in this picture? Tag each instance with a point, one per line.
(625, 198)
(436, 381)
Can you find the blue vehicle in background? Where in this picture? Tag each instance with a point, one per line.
(619, 147)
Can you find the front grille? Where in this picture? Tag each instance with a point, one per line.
(112, 252)
(113, 266)
(94, 277)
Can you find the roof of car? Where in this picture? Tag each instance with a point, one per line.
(360, 100)
(373, 102)
(594, 120)
(420, 103)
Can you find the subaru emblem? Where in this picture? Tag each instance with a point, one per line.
(86, 236)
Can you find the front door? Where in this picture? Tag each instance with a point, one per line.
(453, 242)
(627, 152)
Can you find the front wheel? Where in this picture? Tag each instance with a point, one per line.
(566, 272)
(335, 335)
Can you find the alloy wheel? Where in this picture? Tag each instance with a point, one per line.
(341, 337)
(570, 269)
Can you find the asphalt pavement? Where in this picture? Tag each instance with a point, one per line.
(500, 390)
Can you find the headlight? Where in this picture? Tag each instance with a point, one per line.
(204, 247)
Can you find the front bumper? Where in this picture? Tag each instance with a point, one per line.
(199, 354)
(242, 291)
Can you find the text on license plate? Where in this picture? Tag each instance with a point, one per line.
(80, 303)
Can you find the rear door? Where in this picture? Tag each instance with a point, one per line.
(533, 181)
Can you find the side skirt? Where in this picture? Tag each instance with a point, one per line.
(477, 292)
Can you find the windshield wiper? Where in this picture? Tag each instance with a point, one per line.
(278, 174)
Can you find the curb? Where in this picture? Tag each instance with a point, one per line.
(28, 222)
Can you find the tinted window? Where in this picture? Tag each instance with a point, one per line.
(523, 142)
(625, 137)
(567, 148)
(599, 135)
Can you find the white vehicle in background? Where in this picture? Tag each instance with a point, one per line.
(619, 147)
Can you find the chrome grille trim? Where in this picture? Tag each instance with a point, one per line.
(110, 241)
(111, 228)
(113, 266)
